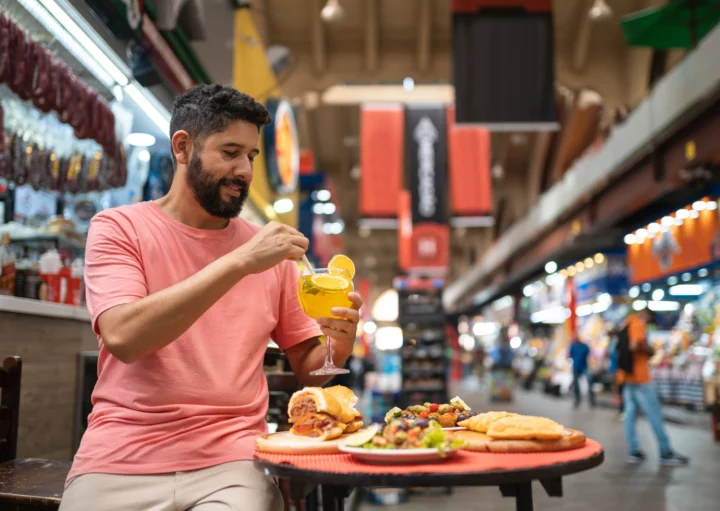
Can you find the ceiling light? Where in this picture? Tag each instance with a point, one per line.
(370, 327)
(639, 305)
(328, 208)
(564, 274)
(580, 267)
(702, 273)
(657, 306)
(323, 195)
(641, 233)
(653, 228)
(151, 106)
(667, 221)
(699, 205)
(283, 205)
(140, 139)
(686, 277)
(634, 292)
(712, 205)
(551, 267)
(630, 239)
(694, 214)
(686, 290)
(528, 290)
(589, 263)
(144, 155)
(571, 271)
(388, 338)
(658, 295)
(646, 287)
(515, 342)
(408, 84)
(332, 11)
(682, 213)
(599, 258)
(679, 221)
(672, 280)
(600, 11)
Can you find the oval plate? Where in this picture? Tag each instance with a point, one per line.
(397, 456)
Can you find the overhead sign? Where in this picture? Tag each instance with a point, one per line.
(282, 147)
(426, 164)
(426, 153)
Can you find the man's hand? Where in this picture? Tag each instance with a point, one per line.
(343, 329)
(270, 246)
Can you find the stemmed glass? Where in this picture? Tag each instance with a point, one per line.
(319, 290)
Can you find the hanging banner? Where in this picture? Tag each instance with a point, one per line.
(469, 166)
(381, 159)
(426, 150)
(405, 229)
(676, 249)
(426, 160)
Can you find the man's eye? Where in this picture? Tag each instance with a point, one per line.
(231, 154)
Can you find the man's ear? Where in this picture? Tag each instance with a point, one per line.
(181, 145)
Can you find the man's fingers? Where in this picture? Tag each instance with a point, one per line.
(341, 325)
(300, 241)
(356, 300)
(351, 315)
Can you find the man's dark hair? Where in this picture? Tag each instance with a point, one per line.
(206, 109)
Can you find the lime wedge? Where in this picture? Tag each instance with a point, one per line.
(395, 412)
(361, 437)
(459, 402)
(330, 282)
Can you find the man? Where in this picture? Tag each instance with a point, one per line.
(184, 296)
(579, 354)
(638, 391)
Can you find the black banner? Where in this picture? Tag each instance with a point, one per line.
(426, 162)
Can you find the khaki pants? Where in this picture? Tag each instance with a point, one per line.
(235, 486)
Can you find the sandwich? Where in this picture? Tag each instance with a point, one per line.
(347, 399)
(316, 413)
(324, 414)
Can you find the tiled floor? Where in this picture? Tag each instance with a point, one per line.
(614, 486)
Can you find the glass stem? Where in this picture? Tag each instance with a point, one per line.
(328, 352)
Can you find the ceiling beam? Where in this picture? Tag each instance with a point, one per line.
(371, 34)
(538, 161)
(424, 34)
(317, 36)
(582, 38)
(260, 17)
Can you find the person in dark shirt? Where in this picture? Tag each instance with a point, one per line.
(579, 354)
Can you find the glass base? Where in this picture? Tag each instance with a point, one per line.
(329, 369)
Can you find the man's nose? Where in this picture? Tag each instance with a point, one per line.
(243, 170)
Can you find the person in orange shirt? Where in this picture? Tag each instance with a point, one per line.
(639, 392)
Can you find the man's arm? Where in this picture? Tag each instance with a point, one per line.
(133, 330)
(309, 355)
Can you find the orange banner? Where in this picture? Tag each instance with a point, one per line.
(469, 165)
(405, 229)
(430, 247)
(684, 247)
(381, 159)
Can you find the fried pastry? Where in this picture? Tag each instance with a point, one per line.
(523, 427)
(481, 422)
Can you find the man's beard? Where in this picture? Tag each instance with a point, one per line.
(208, 192)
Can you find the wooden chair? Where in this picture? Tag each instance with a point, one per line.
(25, 484)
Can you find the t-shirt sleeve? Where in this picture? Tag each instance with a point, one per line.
(113, 268)
(636, 332)
(293, 326)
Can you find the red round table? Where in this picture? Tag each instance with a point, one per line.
(512, 473)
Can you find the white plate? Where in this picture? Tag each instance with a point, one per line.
(397, 456)
(457, 428)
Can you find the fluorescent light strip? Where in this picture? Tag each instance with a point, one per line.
(80, 34)
(663, 306)
(151, 106)
(686, 290)
(53, 26)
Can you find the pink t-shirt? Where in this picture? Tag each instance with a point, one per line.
(201, 400)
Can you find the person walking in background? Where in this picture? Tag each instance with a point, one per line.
(638, 390)
(613, 368)
(579, 354)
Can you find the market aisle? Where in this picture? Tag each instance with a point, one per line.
(614, 486)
